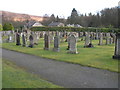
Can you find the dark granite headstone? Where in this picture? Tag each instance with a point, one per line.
(31, 41)
(23, 40)
(46, 41)
(56, 43)
(113, 36)
(18, 38)
(117, 47)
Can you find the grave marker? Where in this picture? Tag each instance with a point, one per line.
(117, 47)
(46, 41)
(72, 44)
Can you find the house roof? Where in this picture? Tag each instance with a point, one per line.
(55, 24)
(30, 24)
(37, 24)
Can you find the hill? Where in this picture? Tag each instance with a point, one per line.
(10, 16)
(18, 19)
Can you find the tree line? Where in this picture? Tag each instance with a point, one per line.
(107, 17)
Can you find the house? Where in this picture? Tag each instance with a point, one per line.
(37, 24)
(56, 24)
(33, 24)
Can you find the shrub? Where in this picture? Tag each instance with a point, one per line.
(8, 26)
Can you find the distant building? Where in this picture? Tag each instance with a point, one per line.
(77, 25)
(37, 24)
(33, 24)
(72, 25)
(29, 24)
(56, 24)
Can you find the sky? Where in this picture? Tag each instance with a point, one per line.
(62, 8)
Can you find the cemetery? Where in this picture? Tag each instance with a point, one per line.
(79, 50)
(94, 49)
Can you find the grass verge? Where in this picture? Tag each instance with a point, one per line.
(15, 77)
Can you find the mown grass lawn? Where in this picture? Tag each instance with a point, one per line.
(99, 56)
(15, 77)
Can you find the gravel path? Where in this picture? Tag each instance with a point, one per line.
(64, 74)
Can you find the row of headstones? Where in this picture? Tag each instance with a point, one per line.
(72, 42)
(71, 38)
(8, 35)
(88, 36)
(109, 37)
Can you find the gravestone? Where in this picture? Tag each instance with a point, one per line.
(79, 34)
(41, 35)
(82, 36)
(100, 39)
(72, 44)
(113, 36)
(56, 43)
(23, 40)
(14, 36)
(68, 39)
(31, 40)
(28, 33)
(107, 38)
(117, 47)
(97, 36)
(61, 37)
(93, 36)
(51, 38)
(46, 41)
(35, 38)
(104, 36)
(88, 42)
(18, 38)
(87, 39)
(111, 40)
(11, 37)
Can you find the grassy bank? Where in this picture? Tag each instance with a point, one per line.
(99, 56)
(15, 77)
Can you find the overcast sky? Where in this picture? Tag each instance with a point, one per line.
(57, 7)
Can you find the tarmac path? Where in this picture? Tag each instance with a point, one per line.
(64, 74)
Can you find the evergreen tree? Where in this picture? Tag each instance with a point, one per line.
(74, 18)
(57, 19)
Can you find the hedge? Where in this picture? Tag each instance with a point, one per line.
(75, 29)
